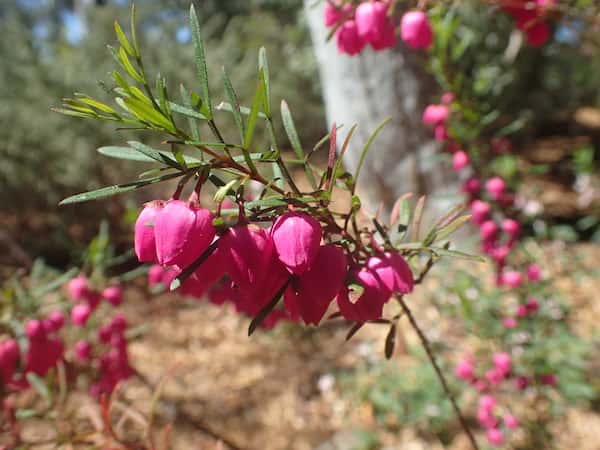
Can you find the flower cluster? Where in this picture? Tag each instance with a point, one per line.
(370, 23)
(252, 266)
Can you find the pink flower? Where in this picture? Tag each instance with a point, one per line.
(415, 30)
(549, 379)
(494, 376)
(78, 287)
(471, 186)
(502, 362)
(512, 278)
(496, 187)
(521, 382)
(538, 34)
(488, 230)
(182, 233)
(113, 295)
(532, 305)
(348, 40)
(495, 436)
(511, 227)
(297, 239)
(447, 98)
(55, 321)
(460, 160)
(387, 39)
(521, 311)
(436, 114)
(464, 370)
(34, 329)
(486, 418)
(480, 211)
(144, 237)
(509, 322)
(333, 13)
(80, 314)
(534, 273)
(371, 20)
(82, 350)
(393, 272)
(487, 402)
(309, 295)
(511, 421)
(440, 132)
(9, 356)
(500, 254)
(156, 274)
(369, 305)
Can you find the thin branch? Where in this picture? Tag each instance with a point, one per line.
(438, 371)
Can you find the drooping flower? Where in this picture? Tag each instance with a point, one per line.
(511, 421)
(82, 350)
(436, 114)
(182, 232)
(502, 362)
(348, 40)
(113, 295)
(496, 187)
(495, 436)
(460, 160)
(9, 356)
(144, 238)
(297, 239)
(465, 370)
(80, 314)
(415, 30)
(78, 288)
(308, 296)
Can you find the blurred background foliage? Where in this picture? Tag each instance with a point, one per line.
(57, 46)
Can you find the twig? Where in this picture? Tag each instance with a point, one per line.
(440, 375)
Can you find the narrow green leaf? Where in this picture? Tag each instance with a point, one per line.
(123, 39)
(186, 111)
(365, 150)
(156, 155)
(233, 100)
(417, 217)
(136, 46)
(224, 106)
(39, 385)
(126, 63)
(290, 129)
(253, 117)
(446, 231)
(201, 62)
(148, 114)
(455, 254)
(97, 104)
(109, 191)
(192, 121)
(54, 284)
(340, 158)
(224, 191)
(266, 310)
(131, 154)
(263, 66)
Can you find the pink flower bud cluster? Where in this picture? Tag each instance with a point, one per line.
(250, 266)
(529, 17)
(370, 23)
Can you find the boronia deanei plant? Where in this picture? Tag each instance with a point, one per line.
(279, 251)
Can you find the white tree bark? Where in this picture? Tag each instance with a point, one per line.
(365, 90)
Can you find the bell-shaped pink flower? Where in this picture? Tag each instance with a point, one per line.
(480, 211)
(182, 233)
(308, 296)
(486, 418)
(297, 239)
(82, 350)
(471, 186)
(447, 98)
(509, 322)
(144, 239)
(78, 288)
(511, 421)
(415, 30)
(54, 321)
(348, 40)
(502, 362)
(511, 227)
(488, 230)
(333, 13)
(371, 20)
(512, 278)
(495, 436)
(436, 114)
(156, 274)
(369, 306)
(387, 38)
(113, 295)
(9, 356)
(487, 402)
(538, 34)
(34, 329)
(393, 272)
(534, 273)
(496, 187)
(80, 314)
(465, 370)
(532, 305)
(460, 160)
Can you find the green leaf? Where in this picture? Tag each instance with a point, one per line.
(201, 62)
(123, 40)
(133, 31)
(187, 101)
(109, 191)
(148, 114)
(233, 100)
(253, 117)
(263, 66)
(290, 129)
(446, 231)
(223, 191)
(156, 155)
(185, 111)
(126, 63)
(54, 284)
(365, 150)
(266, 310)
(224, 106)
(131, 154)
(39, 385)
(455, 254)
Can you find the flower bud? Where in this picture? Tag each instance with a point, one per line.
(511, 421)
(512, 279)
(9, 355)
(534, 273)
(464, 370)
(82, 350)
(511, 227)
(144, 237)
(502, 362)
(488, 230)
(80, 314)
(509, 322)
(495, 436)
(436, 114)
(55, 321)
(460, 160)
(374, 26)
(297, 239)
(415, 30)
(182, 233)
(113, 295)
(78, 287)
(471, 186)
(34, 329)
(496, 187)
(480, 211)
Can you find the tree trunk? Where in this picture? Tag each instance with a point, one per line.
(368, 88)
